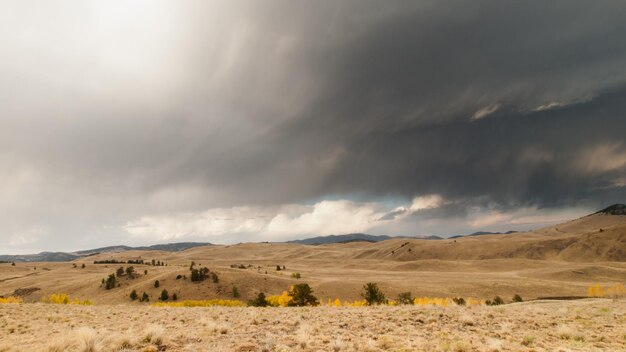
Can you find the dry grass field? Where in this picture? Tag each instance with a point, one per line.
(583, 325)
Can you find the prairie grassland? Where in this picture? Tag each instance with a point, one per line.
(583, 325)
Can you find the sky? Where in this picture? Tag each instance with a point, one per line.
(150, 121)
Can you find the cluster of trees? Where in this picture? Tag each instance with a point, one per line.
(157, 263)
(144, 296)
(109, 261)
(110, 282)
(202, 274)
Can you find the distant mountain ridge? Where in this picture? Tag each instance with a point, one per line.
(356, 237)
(615, 209)
(69, 256)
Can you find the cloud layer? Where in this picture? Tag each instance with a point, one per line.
(123, 123)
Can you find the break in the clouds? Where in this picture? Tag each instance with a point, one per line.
(146, 121)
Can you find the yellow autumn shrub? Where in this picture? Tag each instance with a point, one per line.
(617, 290)
(433, 301)
(202, 303)
(10, 299)
(279, 301)
(64, 298)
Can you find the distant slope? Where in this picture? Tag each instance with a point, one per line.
(66, 257)
(354, 237)
(351, 237)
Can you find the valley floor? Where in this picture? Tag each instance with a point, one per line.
(584, 325)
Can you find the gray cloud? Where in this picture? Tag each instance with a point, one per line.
(111, 113)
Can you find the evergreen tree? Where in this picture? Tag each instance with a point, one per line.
(259, 301)
(110, 282)
(302, 295)
(373, 295)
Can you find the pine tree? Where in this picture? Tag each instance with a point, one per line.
(373, 295)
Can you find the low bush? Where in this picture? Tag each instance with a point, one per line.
(10, 299)
(64, 298)
(202, 303)
(404, 298)
(259, 301)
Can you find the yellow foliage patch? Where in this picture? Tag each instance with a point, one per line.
(617, 290)
(433, 301)
(64, 298)
(202, 303)
(10, 299)
(279, 301)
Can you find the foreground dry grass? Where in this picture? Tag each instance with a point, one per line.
(586, 325)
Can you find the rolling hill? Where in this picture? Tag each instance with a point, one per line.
(561, 260)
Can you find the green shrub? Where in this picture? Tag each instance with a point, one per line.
(259, 301)
(405, 298)
(296, 275)
(517, 298)
(156, 284)
(144, 297)
(373, 295)
(164, 295)
(302, 295)
(235, 292)
(459, 301)
(133, 295)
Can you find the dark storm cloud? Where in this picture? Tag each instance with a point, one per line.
(109, 112)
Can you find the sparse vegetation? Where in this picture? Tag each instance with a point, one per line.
(235, 292)
(296, 275)
(517, 298)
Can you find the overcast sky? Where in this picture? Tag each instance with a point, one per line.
(141, 122)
